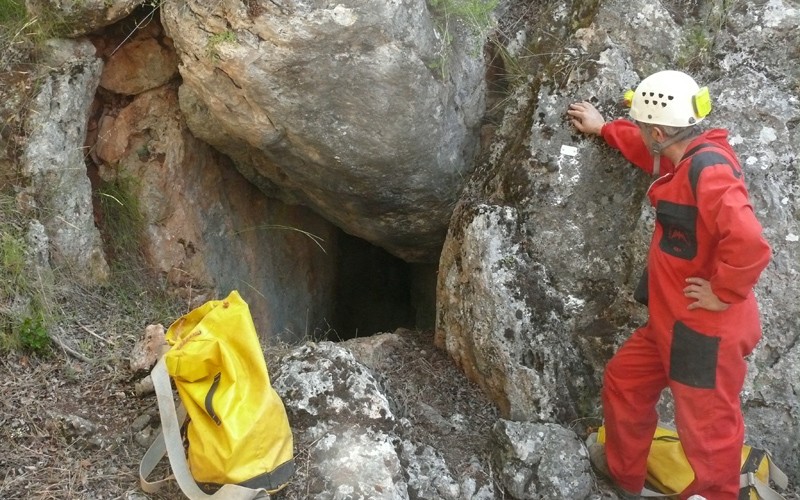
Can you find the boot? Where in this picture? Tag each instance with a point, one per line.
(597, 457)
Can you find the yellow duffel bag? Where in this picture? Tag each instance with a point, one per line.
(237, 430)
(669, 471)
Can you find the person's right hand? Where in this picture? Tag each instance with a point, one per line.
(704, 297)
(586, 118)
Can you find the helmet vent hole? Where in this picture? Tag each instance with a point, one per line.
(670, 97)
(652, 94)
(647, 101)
(663, 105)
(660, 96)
(649, 117)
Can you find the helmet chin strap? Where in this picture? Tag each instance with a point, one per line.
(658, 147)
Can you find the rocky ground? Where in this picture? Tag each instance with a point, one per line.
(75, 425)
(69, 420)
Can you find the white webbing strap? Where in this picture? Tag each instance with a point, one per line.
(776, 475)
(648, 493)
(169, 441)
(762, 489)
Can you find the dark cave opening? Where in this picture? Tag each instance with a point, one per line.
(377, 292)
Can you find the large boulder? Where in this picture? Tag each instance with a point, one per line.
(366, 112)
(142, 61)
(540, 461)
(362, 413)
(506, 321)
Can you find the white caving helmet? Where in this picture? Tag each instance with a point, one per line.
(669, 98)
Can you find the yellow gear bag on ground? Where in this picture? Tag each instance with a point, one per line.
(669, 472)
(237, 430)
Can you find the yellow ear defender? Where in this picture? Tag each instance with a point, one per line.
(627, 98)
(701, 102)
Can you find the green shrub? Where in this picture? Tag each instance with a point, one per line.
(33, 336)
(11, 12)
(475, 14)
(696, 50)
(22, 315)
(13, 249)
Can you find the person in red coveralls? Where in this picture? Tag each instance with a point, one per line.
(705, 256)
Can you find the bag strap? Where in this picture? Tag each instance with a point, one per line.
(745, 481)
(648, 493)
(763, 489)
(776, 475)
(169, 441)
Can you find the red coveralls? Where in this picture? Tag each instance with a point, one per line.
(699, 354)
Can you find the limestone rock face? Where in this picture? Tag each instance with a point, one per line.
(84, 16)
(140, 65)
(768, 143)
(540, 461)
(504, 320)
(208, 230)
(363, 111)
(53, 158)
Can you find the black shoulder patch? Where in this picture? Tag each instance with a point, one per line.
(708, 159)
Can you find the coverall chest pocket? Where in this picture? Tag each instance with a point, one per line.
(679, 233)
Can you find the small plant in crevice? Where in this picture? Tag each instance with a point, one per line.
(476, 15)
(532, 47)
(12, 256)
(439, 65)
(508, 70)
(214, 41)
(698, 44)
(120, 220)
(695, 49)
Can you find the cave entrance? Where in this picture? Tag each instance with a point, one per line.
(377, 292)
